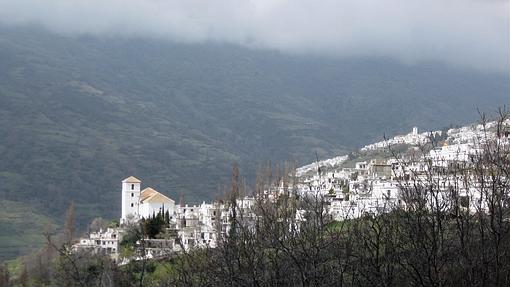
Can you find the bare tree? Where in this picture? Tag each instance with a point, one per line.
(4, 275)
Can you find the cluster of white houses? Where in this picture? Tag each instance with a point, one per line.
(375, 186)
(371, 186)
(412, 138)
(191, 226)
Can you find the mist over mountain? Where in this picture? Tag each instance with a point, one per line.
(80, 113)
(465, 33)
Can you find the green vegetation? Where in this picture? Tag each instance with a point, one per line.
(22, 228)
(155, 224)
(78, 114)
(15, 266)
(418, 243)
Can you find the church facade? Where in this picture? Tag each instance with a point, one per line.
(138, 203)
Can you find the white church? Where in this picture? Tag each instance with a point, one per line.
(137, 203)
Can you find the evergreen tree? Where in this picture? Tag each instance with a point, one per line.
(167, 218)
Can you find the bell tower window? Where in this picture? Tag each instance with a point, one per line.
(132, 187)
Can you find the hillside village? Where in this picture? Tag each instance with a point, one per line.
(369, 181)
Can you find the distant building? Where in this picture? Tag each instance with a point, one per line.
(415, 131)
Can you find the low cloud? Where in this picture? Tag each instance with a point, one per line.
(468, 33)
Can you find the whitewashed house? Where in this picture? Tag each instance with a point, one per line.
(101, 242)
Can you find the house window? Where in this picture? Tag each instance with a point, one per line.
(132, 187)
(132, 204)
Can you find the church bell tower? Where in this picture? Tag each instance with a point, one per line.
(130, 199)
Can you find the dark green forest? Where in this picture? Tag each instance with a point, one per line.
(79, 114)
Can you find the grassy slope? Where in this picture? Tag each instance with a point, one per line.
(22, 228)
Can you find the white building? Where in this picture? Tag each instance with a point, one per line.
(130, 198)
(373, 186)
(413, 138)
(151, 201)
(102, 242)
(137, 204)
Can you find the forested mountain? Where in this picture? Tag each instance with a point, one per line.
(78, 114)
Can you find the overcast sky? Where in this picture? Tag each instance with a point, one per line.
(469, 33)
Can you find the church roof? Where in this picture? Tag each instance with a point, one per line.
(147, 192)
(132, 179)
(151, 195)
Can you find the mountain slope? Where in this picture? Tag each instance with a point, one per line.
(21, 228)
(78, 114)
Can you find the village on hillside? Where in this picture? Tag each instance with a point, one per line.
(369, 182)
